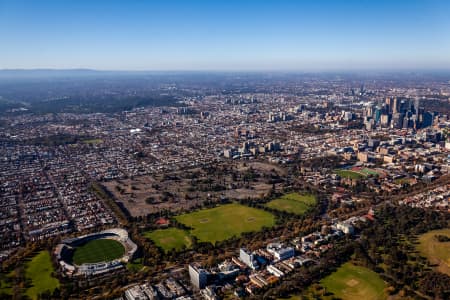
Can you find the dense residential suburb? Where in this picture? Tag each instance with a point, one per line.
(225, 186)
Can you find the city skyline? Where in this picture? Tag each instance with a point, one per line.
(246, 35)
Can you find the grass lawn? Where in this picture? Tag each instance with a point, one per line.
(39, 270)
(93, 141)
(348, 174)
(403, 180)
(436, 252)
(294, 203)
(98, 251)
(135, 265)
(170, 238)
(354, 282)
(369, 172)
(223, 222)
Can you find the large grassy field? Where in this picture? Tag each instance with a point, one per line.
(223, 222)
(368, 172)
(170, 238)
(348, 174)
(353, 283)
(294, 203)
(97, 251)
(39, 270)
(436, 252)
(93, 141)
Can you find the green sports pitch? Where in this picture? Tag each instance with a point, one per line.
(99, 250)
(437, 252)
(38, 275)
(355, 282)
(170, 238)
(293, 203)
(349, 282)
(39, 271)
(225, 221)
(349, 174)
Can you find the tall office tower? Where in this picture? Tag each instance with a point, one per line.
(427, 119)
(410, 105)
(403, 106)
(389, 102)
(395, 104)
(406, 122)
(247, 258)
(397, 120)
(369, 110)
(384, 120)
(377, 114)
(199, 277)
(416, 106)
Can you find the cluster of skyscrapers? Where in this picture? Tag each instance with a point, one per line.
(397, 113)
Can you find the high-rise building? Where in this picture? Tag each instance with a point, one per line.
(389, 102)
(384, 120)
(416, 106)
(427, 119)
(406, 122)
(397, 120)
(395, 105)
(369, 110)
(199, 276)
(247, 258)
(377, 114)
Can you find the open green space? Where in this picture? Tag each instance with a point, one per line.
(93, 141)
(39, 271)
(354, 282)
(368, 172)
(349, 282)
(136, 265)
(349, 174)
(403, 180)
(97, 251)
(170, 238)
(223, 222)
(435, 251)
(296, 203)
(293, 202)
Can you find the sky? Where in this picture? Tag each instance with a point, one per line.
(225, 35)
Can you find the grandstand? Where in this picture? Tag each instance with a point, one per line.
(65, 250)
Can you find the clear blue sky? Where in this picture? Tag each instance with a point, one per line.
(225, 35)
